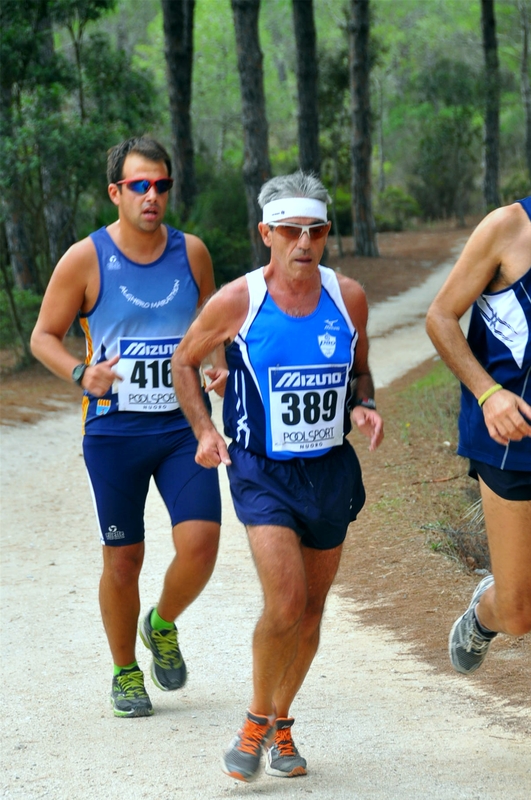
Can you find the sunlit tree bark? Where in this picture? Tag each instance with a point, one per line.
(364, 227)
(492, 105)
(306, 43)
(256, 165)
(179, 50)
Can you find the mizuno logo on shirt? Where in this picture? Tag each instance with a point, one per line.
(141, 349)
(298, 378)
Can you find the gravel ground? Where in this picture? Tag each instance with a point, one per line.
(372, 721)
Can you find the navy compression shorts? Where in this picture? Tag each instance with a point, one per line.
(120, 469)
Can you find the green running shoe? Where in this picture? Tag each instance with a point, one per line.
(242, 759)
(128, 695)
(168, 669)
(283, 759)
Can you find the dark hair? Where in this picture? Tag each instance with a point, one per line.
(144, 146)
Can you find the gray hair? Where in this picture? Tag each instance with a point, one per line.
(299, 184)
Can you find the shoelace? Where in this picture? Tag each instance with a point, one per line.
(476, 641)
(284, 743)
(168, 656)
(132, 683)
(252, 736)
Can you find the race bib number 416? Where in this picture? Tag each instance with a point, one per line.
(307, 407)
(145, 369)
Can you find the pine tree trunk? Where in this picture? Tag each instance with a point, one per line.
(179, 51)
(256, 166)
(526, 86)
(18, 244)
(492, 104)
(306, 43)
(364, 227)
(58, 205)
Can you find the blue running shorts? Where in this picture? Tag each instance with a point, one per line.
(511, 484)
(315, 497)
(120, 468)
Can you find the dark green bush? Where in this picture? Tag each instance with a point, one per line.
(28, 304)
(394, 207)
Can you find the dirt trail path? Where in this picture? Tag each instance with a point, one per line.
(373, 721)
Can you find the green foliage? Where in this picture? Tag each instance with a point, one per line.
(28, 304)
(431, 405)
(62, 111)
(515, 188)
(448, 157)
(394, 208)
(343, 204)
(219, 218)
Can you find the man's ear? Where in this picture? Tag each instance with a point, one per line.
(114, 193)
(266, 233)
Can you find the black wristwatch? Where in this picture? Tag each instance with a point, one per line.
(364, 402)
(78, 372)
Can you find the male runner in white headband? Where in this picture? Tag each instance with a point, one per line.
(299, 378)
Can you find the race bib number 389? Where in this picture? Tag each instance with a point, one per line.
(307, 407)
(145, 369)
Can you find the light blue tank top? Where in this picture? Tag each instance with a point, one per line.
(141, 313)
(289, 376)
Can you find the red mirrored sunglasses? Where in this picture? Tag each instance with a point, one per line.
(143, 185)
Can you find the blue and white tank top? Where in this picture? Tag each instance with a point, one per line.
(142, 312)
(289, 376)
(500, 338)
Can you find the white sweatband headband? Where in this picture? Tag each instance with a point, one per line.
(289, 207)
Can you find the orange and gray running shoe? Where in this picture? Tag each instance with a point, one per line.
(283, 759)
(242, 759)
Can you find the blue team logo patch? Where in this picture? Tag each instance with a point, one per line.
(327, 343)
(317, 377)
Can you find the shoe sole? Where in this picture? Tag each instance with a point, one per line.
(135, 712)
(277, 773)
(238, 775)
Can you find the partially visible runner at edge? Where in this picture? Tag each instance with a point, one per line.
(493, 274)
(136, 285)
(299, 378)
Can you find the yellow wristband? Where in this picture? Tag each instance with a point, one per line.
(487, 394)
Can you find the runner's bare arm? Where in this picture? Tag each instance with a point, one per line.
(73, 287)
(218, 322)
(203, 272)
(476, 268)
(367, 420)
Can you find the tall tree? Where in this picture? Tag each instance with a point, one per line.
(19, 32)
(58, 207)
(364, 226)
(179, 50)
(525, 17)
(256, 164)
(306, 44)
(492, 104)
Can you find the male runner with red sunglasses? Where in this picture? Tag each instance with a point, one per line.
(297, 339)
(136, 285)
